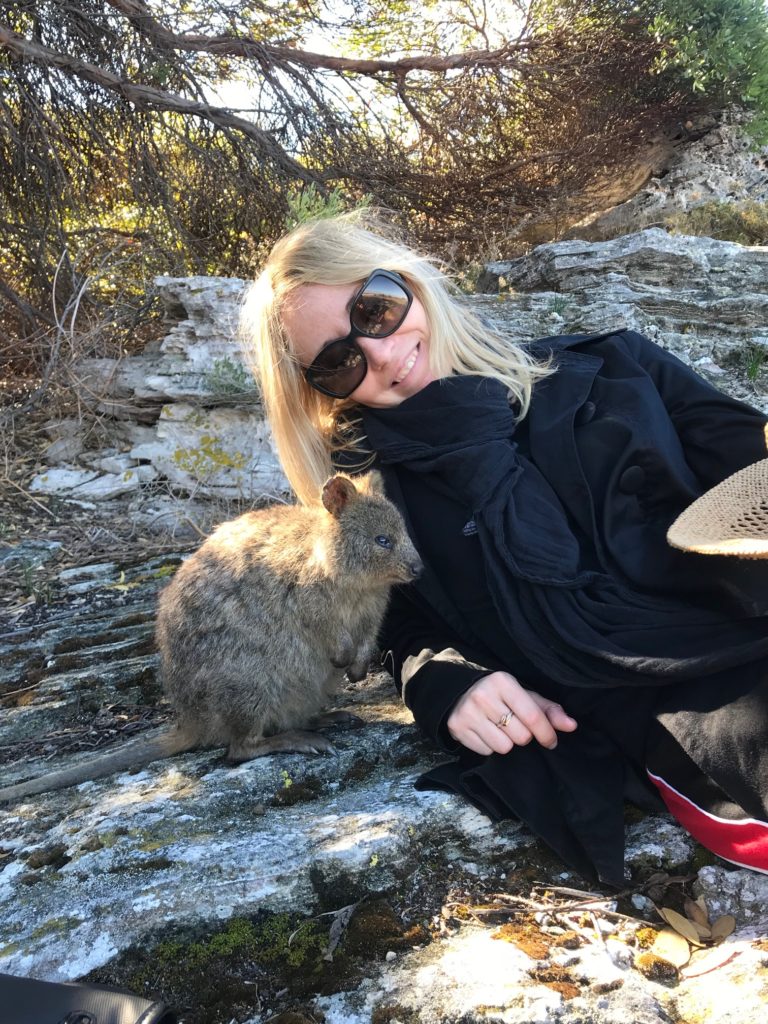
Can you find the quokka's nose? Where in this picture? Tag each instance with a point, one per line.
(415, 566)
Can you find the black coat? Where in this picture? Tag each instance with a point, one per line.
(545, 552)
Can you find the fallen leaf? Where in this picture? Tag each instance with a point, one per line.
(696, 912)
(670, 945)
(723, 927)
(341, 919)
(680, 924)
(701, 902)
(705, 932)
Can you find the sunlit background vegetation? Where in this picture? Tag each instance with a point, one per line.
(139, 138)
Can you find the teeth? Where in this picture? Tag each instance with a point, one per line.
(407, 366)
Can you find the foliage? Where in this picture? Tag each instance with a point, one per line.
(746, 223)
(755, 357)
(269, 940)
(140, 138)
(714, 50)
(720, 48)
(228, 379)
(309, 203)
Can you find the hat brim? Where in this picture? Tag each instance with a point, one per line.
(729, 519)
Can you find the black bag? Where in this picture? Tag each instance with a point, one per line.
(26, 1001)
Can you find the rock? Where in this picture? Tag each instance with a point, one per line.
(702, 299)
(102, 571)
(147, 450)
(471, 977)
(132, 434)
(225, 452)
(146, 474)
(218, 443)
(647, 263)
(63, 449)
(30, 553)
(657, 843)
(60, 481)
(63, 428)
(722, 166)
(118, 464)
(741, 893)
(109, 485)
(86, 485)
(199, 359)
(189, 843)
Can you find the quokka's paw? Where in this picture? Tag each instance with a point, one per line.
(344, 651)
(357, 670)
(296, 741)
(338, 718)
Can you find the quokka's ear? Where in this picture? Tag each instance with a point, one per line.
(337, 493)
(372, 483)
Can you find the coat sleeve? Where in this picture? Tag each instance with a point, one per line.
(430, 672)
(720, 435)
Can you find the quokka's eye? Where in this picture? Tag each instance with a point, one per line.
(383, 542)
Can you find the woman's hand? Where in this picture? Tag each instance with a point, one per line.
(496, 713)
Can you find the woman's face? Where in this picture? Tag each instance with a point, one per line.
(398, 365)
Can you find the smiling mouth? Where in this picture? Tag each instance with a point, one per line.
(407, 366)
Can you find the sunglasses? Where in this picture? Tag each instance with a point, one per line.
(377, 310)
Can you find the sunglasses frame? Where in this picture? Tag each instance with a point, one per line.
(350, 339)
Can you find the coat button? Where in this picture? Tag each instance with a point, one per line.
(585, 414)
(631, 480)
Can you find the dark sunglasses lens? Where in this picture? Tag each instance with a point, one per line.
(380, 308)
(339, 368)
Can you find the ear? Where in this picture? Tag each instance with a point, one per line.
(337, 493)
(372, 483)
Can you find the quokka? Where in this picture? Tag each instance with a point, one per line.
(259, 627)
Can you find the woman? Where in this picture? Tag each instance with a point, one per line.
(556, 644)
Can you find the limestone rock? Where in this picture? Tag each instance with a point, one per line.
(722, 166)
(116, 463)
(227, 452)
(199, 359)
(29, 553)
(56, 481)
(69, 427)
(63, 450)
(703, 299)
(707, 301)
(187, 843)
(85, 485)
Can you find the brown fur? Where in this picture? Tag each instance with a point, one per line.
(258, 627)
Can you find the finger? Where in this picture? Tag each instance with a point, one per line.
(559, 718)
(518, 731)
(486, 742)
(477, 733)
(493, 737)
(531, 719)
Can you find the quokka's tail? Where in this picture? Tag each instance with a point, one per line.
(133, 755)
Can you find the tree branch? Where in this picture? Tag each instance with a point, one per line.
(145, 95)
(237, 46)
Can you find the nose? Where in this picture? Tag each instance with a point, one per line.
(415, 566)
(378, 351)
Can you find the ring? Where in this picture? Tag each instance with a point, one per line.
(505, 719)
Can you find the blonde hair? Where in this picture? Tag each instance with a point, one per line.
(344, 250)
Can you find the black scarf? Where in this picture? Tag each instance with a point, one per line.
(577, 622)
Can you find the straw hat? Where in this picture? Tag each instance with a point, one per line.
(729, 519)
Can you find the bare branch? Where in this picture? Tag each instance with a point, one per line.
(237, 46)
(145, 95)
